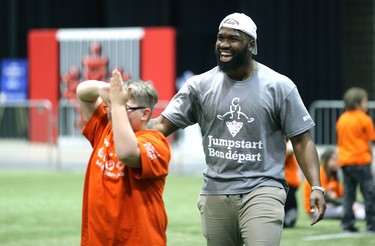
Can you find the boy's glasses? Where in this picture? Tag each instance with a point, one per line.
(108, 109)
(134, 108)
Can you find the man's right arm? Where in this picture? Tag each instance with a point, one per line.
(163, 125)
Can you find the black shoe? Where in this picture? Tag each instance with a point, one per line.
(351, 229)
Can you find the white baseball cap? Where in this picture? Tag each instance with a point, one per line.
(242, 23)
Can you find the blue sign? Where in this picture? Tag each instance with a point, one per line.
(14, 82)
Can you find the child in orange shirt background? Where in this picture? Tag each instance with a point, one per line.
(355, 134)
(329, 178)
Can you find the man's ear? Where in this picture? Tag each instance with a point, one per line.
(251, 44)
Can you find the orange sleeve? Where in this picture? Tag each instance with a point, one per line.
(292, 171)
(155, 154)
(335, 188)
(323, 178)
(95, 125)
(340, 190)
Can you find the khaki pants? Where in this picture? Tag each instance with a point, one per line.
(253, 219)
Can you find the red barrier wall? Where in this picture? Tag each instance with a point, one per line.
(158, 64)
(43, 56)
(158, 61)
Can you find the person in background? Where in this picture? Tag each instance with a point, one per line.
(329, 177)
(95, 66)
(126, 173)
(355, 134)
(245, 112)
(293, 177)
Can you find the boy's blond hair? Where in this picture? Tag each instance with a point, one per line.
(142, 92)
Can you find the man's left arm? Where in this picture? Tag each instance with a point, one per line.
(308, 160)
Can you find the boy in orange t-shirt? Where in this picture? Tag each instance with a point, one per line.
(125, 177)
(355, 133)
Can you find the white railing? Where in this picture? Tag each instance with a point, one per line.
(325, 114)
(71, 150)
(15, 146)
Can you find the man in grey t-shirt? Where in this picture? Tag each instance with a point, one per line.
(245, 111)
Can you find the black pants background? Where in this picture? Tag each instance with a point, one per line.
(362, 175)
(291, 208)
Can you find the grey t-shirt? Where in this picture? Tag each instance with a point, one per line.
(243, 124)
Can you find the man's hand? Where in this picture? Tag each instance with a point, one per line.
(317, 201)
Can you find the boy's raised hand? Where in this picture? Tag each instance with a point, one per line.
(117, 92)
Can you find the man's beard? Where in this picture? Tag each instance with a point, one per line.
(237, 60)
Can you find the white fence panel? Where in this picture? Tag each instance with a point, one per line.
(325, 114)
(15, 148)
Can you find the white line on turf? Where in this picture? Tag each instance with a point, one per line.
(334, 236)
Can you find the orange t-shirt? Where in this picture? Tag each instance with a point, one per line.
(123, 205)
(355, 130)
(292, 171)
(331, 186)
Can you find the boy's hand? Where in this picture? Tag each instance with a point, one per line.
(117, 93)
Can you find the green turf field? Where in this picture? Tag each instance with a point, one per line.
(44, 208)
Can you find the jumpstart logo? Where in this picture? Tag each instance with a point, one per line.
(235, 115)
(238, 150)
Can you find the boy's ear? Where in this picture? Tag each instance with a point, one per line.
(146, 114)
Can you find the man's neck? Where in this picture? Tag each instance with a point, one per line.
(244, 72)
